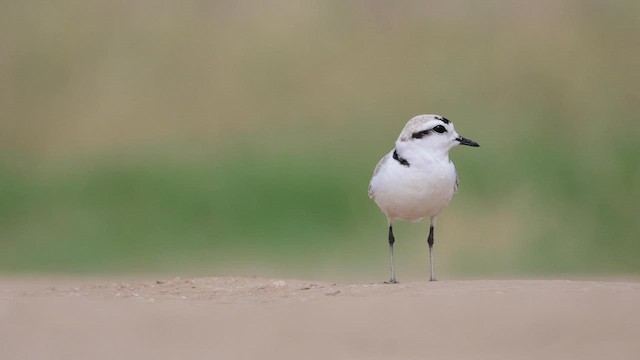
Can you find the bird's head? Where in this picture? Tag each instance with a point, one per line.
(432, 134)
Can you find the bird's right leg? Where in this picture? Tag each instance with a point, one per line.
(432, 276)
(392, 239)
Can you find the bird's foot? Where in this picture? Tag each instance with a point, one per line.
(391, 281)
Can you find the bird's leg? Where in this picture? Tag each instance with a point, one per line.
(430, 242)
(392, 280)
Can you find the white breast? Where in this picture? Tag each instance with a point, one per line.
(414, 192)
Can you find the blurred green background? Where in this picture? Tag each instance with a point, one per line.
(239, 137)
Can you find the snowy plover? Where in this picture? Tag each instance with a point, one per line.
(416, 179)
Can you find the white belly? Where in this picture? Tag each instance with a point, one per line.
(412, 194)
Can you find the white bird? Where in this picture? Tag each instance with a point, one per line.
(416, 179)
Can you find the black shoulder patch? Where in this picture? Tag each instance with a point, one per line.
(402, 161)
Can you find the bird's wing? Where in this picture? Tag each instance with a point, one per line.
(380, 163)
(375, 172)
(456, 186)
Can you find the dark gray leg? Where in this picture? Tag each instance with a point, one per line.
(392, 239)
(430, 242)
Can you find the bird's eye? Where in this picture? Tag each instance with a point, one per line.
(440, 129)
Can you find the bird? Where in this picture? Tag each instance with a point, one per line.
(416, 179)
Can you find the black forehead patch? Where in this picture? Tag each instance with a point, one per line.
(444, 120)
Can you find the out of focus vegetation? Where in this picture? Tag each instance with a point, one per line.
(239, 137)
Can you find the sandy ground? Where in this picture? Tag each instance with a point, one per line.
(254, 318)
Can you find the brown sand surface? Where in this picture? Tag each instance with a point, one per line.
(255, 318)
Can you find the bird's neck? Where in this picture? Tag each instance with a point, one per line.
(421, 156)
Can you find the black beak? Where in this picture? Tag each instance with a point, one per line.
(464, 141)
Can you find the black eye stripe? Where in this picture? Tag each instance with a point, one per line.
(420, 134)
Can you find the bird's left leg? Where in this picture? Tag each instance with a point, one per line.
(392, 239)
